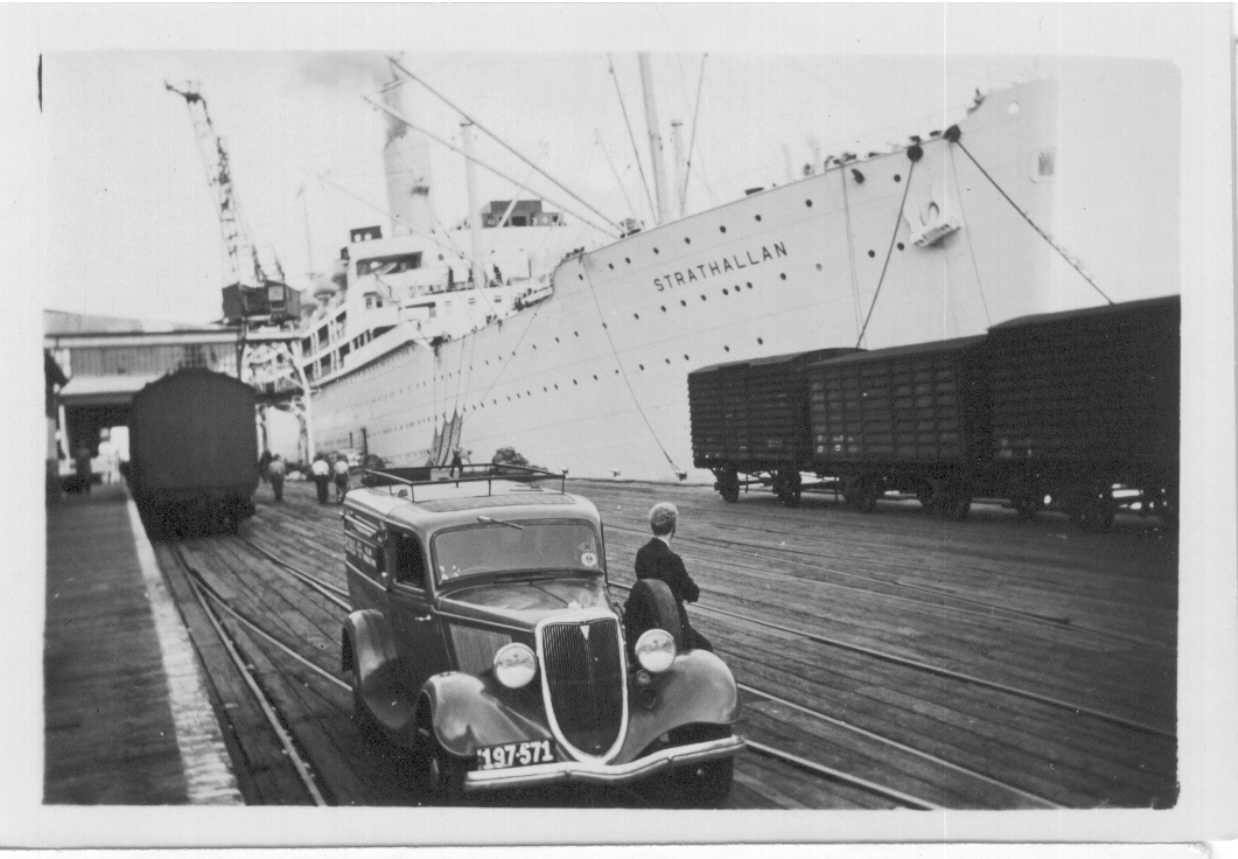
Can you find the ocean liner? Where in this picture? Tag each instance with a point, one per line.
(1046, 195)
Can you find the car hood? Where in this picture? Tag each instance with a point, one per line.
(528, 601)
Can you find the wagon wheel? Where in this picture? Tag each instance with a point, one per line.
(788, 487)
(1026, 498)
(956, 505)
(924, 494)
(651, 605)
(862, 493)
(728, 484)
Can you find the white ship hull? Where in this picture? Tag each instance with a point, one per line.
(593, 379)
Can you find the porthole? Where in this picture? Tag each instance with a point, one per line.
(575, 333)
(663, 308)
(611, 266)
(605, 326)
(556, 340)
(642, 367)
(748, 284)
(758, 217)
(760, 341)
(722, 229)
(820, 267)
(900, 246)
(683, 303)
(580, 277)
(636, 316)
(808, 203)
(545, 390)
(534, 345)
(898, 178)
(667, 360)
(871, 253)
(725, 291)
(703, 298)
(687, 241)
(574, 382)
(628, 260)
(686, 358)
(556, 386)
(595, 377)
(616, 371)
(782, 276)
(726, 348)
(656, 251)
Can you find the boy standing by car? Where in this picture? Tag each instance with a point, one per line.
(655, 560)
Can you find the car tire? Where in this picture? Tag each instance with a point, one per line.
(442, 773)
(366, 724)
(707, 784)
(651, 605)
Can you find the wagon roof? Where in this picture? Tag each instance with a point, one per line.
(812, 355)
(1163, 303)
(954, 345)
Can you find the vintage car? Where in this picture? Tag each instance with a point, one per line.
(484, 639)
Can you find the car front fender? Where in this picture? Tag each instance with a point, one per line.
(370, 652)
(698, 688)
(468, 713)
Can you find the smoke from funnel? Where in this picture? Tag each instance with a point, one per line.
(406, 157)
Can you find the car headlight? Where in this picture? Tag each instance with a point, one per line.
(515, 665)
(655, 650)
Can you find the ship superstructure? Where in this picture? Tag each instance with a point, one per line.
(957, 229)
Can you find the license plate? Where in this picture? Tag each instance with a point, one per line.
(515, 755)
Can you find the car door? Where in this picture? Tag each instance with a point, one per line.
(420, 637)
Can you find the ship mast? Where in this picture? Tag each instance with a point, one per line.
(681, 183)
(470, 180)
(655, 139)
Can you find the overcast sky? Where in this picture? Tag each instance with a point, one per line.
(133, 227)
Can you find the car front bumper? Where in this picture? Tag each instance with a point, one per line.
(600, 773)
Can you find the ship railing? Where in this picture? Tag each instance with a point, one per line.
(398, 480)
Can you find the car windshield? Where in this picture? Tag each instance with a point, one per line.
(495, 545)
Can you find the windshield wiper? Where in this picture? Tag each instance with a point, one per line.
(490, 520)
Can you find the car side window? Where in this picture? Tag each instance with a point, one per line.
(407, 562)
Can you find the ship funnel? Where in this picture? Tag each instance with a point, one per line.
(406, 158)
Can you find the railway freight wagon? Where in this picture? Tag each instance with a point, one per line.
(749, 422)
(910, 418)
(1084, 409)
(193, 449)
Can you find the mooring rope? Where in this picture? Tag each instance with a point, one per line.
(893, 235)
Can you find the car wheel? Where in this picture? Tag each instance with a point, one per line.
(707, 784)
(651, 605)
(442, 771)
(366, 724)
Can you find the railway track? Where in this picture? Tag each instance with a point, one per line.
(852, 791)
(948, 742)
(1014, 795)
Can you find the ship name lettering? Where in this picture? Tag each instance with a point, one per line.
(713, 268)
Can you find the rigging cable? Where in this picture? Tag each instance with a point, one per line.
(953, 134)
(597, 134)
(971, 246)
(501, 142)
(624, 374)
(696, 112)
(914, 153)
(855, 285)
(635, 151)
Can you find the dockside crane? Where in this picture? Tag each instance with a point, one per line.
(257, 301)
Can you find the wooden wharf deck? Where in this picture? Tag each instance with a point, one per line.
(1029, 608)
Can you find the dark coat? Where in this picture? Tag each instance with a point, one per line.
(655, 560)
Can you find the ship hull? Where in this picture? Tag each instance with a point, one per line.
(594, 379)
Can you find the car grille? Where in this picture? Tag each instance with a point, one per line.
(583, 681)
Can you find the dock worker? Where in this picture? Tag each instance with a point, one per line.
(81, 467)
(322, 475)
(275, 474)
(655, 560)
(457, 462)
(341, 477)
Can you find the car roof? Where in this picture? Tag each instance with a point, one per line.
(447, 504)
